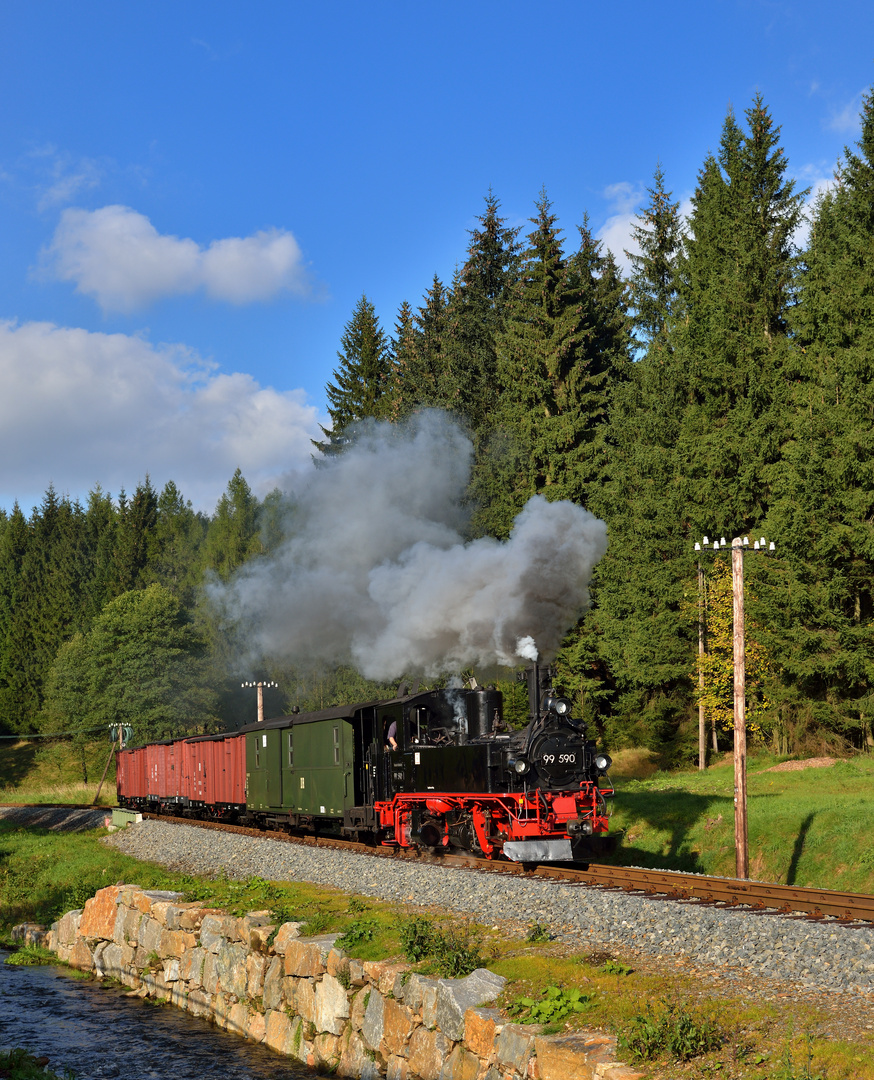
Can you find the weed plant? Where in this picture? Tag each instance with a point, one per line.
(552, 1006)
(670, 1031)
(452, 952)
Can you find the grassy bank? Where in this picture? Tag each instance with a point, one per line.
(807, 826)
(654, 1005)
(55, 771)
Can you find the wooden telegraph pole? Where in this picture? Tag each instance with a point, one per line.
(742, 860)
(702, 722)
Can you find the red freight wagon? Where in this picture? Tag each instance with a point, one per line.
(162, 784)
(130, 777)
(217, 772)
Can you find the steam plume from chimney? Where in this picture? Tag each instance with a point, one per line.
(376, 572)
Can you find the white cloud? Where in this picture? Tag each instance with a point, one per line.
(846, 120)
(616, 232)
(117, 256)
(81, 408)
(814, 178)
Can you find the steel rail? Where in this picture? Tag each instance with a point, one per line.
(672, 884)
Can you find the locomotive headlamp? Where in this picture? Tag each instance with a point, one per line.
(521, 765)
(603, 762)
(559, 705)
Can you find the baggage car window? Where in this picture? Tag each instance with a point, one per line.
(336, 745)
(290, 752)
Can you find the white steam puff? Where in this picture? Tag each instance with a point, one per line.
(526, 648)
(377, 574)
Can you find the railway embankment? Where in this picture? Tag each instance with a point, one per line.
(305, 998)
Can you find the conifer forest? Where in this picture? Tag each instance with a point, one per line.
(722, 388)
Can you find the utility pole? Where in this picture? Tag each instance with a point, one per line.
(260, 686)
(741, 846)
(702, 722)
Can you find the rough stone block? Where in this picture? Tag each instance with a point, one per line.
(397, 1068)
(118, 935)
(209, 975)
(149, 935)
(356, 973)
(573, 1057)
(68, 927)
(278, 1032)
(515, 1045)
(222, 1009)
(199, 1003)
(211, 937)
(414, 991)
(131, 922)
(427, 1052)
(81, 956)
(326, 1050)
(255, 964)
(480, 1028)
(273, 983)
(144, 898)
(359, 1005)
(336, 962)
(256, 1028)
(398, 1025)
(99, 914)
(372, 1026)
(171, 970)
(305, 1000)
(231, 967)
(259, 936)
(191, 965)
(238, 1019)
(250, 920)
(307, 957)
(175, 942)
(383, 974)
(289, 931)
(429, 1006)
(191, 917)
(617, 1071)
(353, 1054)
(456, 996)
(460, 1065)
(331, 1006)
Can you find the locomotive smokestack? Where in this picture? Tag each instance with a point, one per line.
(539, 680)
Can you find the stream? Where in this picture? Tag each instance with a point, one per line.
(97, 1032)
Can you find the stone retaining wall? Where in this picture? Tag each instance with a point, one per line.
(303, 997)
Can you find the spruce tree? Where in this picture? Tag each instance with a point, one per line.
(556, 362)
(360, 380)
(233, 535)
(825, 508)
(658, 235)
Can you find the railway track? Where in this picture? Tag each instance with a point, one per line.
(670, 884)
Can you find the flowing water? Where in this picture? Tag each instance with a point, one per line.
(98, 1033)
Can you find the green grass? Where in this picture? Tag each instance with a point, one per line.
(806, 827)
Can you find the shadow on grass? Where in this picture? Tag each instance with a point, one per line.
(674, 815)
(798, 847)
(15, 762)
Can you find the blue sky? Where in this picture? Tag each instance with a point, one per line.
(194, 195)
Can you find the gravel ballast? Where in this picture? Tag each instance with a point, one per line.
(764, 946)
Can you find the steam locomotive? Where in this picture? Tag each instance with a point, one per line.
(437, 770)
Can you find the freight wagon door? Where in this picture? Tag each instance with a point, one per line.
(274, 767)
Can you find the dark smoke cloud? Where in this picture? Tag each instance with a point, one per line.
(377, 573)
